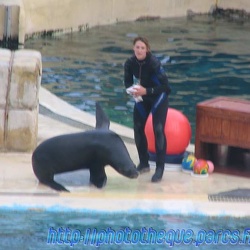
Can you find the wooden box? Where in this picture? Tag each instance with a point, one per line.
(223, 127)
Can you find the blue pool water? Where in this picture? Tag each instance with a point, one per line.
(47, 230)
(203, 56)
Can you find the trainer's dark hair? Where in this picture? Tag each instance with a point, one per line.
(144, 40)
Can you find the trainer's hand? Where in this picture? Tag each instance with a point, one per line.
(139, 91)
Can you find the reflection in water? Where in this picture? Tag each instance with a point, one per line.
(204, 58)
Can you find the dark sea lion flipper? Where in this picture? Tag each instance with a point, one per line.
(102, 121)
(98, 176)
(54, 185)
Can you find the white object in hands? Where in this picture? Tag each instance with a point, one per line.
(131, 90)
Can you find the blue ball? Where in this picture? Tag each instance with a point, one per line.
(188, 162)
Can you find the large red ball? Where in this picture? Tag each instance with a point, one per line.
(177, 130)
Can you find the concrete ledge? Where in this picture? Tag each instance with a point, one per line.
(25, 79)
(5, 56)
(22, 130)
(62, 108)
(20, 75)
(2, 117)
(85, 203)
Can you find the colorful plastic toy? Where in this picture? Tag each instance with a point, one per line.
(188, 163)
(201, 167)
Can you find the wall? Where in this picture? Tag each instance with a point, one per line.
(74, 15)
(20, 79)
(234, 4)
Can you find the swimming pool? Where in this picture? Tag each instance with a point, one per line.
(40, 229)
(204, 57)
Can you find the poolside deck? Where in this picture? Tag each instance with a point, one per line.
(177, 193)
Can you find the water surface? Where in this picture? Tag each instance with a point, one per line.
(38, 230)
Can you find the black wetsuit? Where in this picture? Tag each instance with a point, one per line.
(151, 76)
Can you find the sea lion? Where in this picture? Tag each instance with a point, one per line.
(93, 150)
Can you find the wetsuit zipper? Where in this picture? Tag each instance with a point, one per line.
(140, 69)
